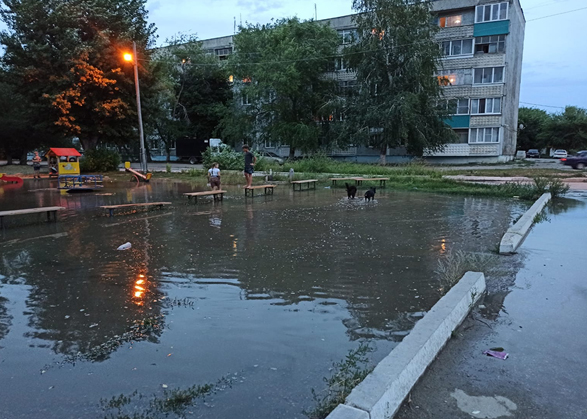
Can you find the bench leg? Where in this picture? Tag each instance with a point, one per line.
(111, 210)
(2, 222)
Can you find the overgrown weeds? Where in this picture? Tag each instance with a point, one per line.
(346, 375)
(452, 268)
(172, 402)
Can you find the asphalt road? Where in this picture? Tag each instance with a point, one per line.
(539, 321)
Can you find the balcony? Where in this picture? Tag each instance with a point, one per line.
(467, 150)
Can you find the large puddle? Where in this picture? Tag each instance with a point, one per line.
(266, 292)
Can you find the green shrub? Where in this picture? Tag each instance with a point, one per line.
(100, 160)
(227, 159)
(557, 187)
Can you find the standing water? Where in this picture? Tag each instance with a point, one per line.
(263, 293)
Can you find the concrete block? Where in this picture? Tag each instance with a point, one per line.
(347, 412)
(516, 234)
(383, 391)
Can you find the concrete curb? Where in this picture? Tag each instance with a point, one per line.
(382, 392)
(516, 234)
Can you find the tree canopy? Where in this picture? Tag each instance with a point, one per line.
(65, 58)
(281, 94)
(396, 57)
(531, 123)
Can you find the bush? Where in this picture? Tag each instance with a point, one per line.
(100, 160)
(227, 159)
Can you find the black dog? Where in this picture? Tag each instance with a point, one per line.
(370, 195)
(351, 191)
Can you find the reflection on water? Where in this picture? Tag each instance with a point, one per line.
(271, 289)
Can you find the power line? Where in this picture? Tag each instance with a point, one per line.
(558, 14)
(543, 106)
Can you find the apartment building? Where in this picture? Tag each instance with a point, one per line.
(482, 43)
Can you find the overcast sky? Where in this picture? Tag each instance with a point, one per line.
(555, 61)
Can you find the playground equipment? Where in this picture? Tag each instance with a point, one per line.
(63, 162)
(10, 179)
(138, 176)
(80, 183)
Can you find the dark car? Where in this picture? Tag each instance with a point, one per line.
(576, 162)
(533, 153)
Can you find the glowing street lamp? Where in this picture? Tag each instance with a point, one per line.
(132, 58)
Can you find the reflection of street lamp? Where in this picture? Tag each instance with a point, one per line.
(133, 58)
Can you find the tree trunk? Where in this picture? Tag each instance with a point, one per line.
(383, 155)
(89, 143)
(168, 151)
(23, 158)
(292, 152)
(8, 158)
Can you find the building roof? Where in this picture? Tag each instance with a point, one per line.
(64, 152)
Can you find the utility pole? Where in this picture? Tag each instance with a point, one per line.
(138, 92)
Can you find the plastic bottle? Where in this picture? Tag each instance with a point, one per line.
(125, 246)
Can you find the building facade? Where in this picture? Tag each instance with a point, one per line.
(482, 43)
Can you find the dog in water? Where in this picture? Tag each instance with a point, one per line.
(370, 194)
(351, 191)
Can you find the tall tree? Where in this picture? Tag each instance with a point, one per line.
(395, 59)
(281, 92)
(531, 122)
(192, 91)
(566, 130)
(65, 57)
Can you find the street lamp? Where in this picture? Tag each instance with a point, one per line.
(132, 58)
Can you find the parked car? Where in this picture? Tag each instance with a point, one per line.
(268, 155)
(559, 154)
(533, 153)
(576, 162)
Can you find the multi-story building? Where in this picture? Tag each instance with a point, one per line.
(482, 42)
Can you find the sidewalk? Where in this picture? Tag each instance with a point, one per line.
(540, 322)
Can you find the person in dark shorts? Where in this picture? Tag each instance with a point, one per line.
(214, 177)
(250, 161)
(37, 165)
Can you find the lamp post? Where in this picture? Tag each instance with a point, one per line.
(133, 57)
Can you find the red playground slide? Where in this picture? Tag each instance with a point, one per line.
(10, 179)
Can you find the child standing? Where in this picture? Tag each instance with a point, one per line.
(214, 177)
(37, 165)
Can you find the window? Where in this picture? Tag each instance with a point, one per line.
(340, 64)
(463, 136)
(460, 47)
(484, 135)
(462, 107)
(484, 106)
(348, 36)
(454, 106)
(488, 75)
(490, 44)
(448, 21)
(245, 100)
(451, 77)
(491, 12)
(223, 53)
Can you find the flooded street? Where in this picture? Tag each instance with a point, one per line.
(264, 292)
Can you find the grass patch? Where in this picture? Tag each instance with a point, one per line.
(452, 268)
(345, 376)
(172, 403)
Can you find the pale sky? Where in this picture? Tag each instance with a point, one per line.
(555, 61)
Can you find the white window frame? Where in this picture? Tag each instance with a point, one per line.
(246, 100)
(478, 41)
(348, 36)
(484, 132)
(483, 69)
(455, 41)
(456, 20)
(486, 99)
(341, 64)
(493, 9)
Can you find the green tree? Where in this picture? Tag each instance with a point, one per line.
(396, 58)
(191, 94)
(65, 58)
(281, 92)
(567, 130)
(531, 122)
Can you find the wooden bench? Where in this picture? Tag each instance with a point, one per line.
(48, 210)
(335, 179)
(381, 180)
(268, 190)
(218, 195)
(304, 182)
(111, 208)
